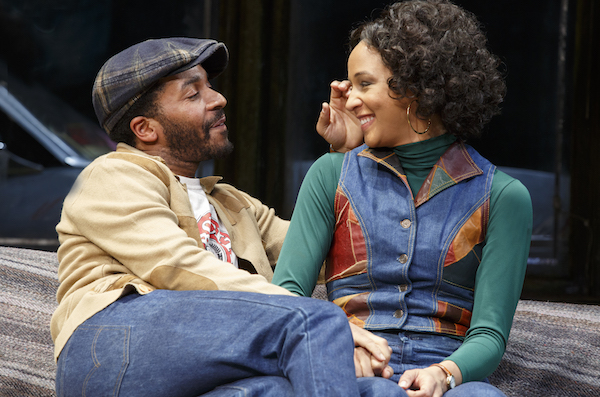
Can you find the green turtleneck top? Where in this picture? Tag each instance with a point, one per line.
(500, 275)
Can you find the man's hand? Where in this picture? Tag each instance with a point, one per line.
(338, 125)
(371, 354)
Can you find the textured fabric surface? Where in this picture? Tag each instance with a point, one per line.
(28, 282)
(553, 350)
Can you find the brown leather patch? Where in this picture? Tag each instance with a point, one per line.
(169, 277)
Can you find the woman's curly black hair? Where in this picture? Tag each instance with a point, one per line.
(437, 53)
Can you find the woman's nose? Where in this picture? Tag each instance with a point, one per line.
(353, 100)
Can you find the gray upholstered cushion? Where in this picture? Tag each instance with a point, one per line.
(28, 283)
(553, 350)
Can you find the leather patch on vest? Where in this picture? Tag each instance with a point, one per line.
(464, 254)
(356, 308)
(348, 253)
(454, 166)
(451, 319)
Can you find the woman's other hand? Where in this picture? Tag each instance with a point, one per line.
(336, 124)
(430, 381)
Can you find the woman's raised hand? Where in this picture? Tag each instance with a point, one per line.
(338, 125)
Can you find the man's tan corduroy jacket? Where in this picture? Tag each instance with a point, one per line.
(128, 224)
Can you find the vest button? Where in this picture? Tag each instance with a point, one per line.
(403, 258)
(406, 223)
(403, 287)
(398, 313)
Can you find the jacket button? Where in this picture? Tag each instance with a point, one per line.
(406, 223)
(398, 313)
(403, 287)
(403, 258)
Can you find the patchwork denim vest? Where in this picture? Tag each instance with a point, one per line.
(404, 262)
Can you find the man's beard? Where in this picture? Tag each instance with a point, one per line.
(188, 144)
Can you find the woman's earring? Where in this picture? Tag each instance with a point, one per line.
(408, 118)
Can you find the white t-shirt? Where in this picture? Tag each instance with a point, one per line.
(212, 231)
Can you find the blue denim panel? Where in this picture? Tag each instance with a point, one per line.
(372, 192)
(475, 389)
(412, 350)
(439, 220)
(380, 387)
(417, 350)
(258, 386)
(102, 363)
(186, 343)
(271, 386)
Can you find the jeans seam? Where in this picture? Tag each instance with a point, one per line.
(308, 345)
(63, 364)
(94, 360)
(124, 362)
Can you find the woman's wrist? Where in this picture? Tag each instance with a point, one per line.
(448, 380)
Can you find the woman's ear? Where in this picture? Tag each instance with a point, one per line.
(146, 129)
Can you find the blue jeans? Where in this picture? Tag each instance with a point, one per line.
(188, 343)
(280, 387)
(412, 350)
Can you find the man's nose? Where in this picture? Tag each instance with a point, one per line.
(217, 101)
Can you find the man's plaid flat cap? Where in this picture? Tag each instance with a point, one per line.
(126, 76)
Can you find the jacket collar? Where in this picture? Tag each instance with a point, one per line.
(125, 148)
(208, 183)
(454, 166)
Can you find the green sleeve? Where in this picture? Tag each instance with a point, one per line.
(499, 279)
(311, 229)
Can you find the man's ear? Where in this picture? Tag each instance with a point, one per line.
(146, 129)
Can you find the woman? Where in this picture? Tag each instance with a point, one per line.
(425, 241)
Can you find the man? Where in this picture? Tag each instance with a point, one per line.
(165, 278)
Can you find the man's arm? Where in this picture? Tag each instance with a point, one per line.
(121, 218)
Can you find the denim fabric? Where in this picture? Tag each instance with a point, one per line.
(186, 343)
(474, 389)
(412, 350)
(272, 386)
(420, 256)
(417, 350)
(258, 386)
(380, 387)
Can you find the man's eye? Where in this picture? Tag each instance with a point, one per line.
(194, 95)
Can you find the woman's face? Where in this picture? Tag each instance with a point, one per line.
(383, 119)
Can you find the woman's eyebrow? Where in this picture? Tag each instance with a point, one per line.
(362, 73)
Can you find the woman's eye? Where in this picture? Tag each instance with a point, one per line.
(365, 83)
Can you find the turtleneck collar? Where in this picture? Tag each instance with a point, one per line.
(418, 158)
(424, 153)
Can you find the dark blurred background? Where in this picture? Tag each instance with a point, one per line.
(285, 53)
